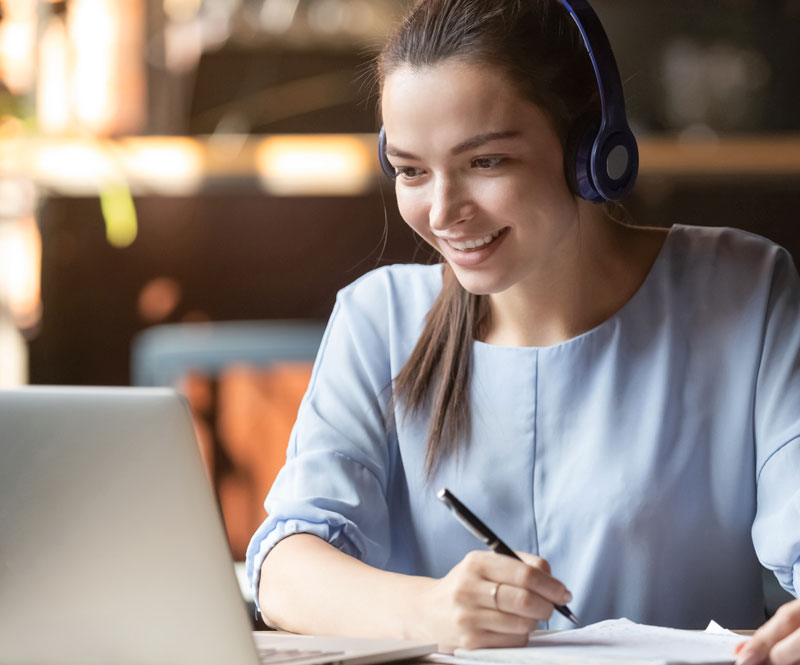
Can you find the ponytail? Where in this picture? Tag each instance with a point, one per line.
(437, 374)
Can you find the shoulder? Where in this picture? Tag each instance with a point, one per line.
(391, 302)
(721, 280)
(725, 247)
(724, 259)
(399, 284)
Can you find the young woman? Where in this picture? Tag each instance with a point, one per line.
(621, 404)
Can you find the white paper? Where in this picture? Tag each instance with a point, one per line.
(618, 641)
(714, 627)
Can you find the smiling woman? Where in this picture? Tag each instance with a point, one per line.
(500, 205)
(601, 394)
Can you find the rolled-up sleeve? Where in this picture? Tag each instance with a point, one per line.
(334, 482)
(776, 529)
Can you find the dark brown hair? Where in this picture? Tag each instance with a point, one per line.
(537, 45)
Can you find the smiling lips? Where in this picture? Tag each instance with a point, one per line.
(468, 245)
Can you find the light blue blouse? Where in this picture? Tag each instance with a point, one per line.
(653, 460)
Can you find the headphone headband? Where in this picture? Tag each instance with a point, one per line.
(606, 162)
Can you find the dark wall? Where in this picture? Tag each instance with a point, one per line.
(243, 257)
(729, 65)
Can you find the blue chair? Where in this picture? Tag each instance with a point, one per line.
(161, 355)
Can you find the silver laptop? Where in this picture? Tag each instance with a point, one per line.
(112, 550)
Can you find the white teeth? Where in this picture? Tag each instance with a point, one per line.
(473, 244)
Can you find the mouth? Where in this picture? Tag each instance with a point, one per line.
(477, 243)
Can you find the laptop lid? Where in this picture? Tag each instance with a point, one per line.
(111, 546)
(112, 550)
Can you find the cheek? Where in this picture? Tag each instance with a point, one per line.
(547, 191)
(413, 211)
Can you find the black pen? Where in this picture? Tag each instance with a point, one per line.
(487, 536)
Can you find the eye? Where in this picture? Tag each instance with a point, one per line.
(486, 163)
(407, 172)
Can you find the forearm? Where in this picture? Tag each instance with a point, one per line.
(309, 586)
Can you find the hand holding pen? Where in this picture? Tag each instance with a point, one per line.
(487, 536)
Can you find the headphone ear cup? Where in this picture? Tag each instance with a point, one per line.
(578, 157)
(386, 165)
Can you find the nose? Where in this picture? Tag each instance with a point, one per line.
(451, 203)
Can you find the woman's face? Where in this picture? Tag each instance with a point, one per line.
(480, 173)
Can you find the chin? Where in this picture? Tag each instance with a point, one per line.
(480, 285)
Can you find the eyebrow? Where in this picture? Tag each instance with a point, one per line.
(470, 144)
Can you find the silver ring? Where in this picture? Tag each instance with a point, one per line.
(494, 594)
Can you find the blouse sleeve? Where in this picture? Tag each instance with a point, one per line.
(334, 482)
(776, 529)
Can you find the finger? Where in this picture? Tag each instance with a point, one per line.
(780, 626)
(487, 594)
(787, 651)
(512, 600)
(486, 639)
(540, 582)
(491, 639)
(535, 561)
(509, 571)
(497, 621)
(523, 602)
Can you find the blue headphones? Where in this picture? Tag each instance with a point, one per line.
(605, 157)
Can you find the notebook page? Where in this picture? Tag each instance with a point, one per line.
(616, 640)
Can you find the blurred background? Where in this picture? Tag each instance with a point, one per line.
(185, 184)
